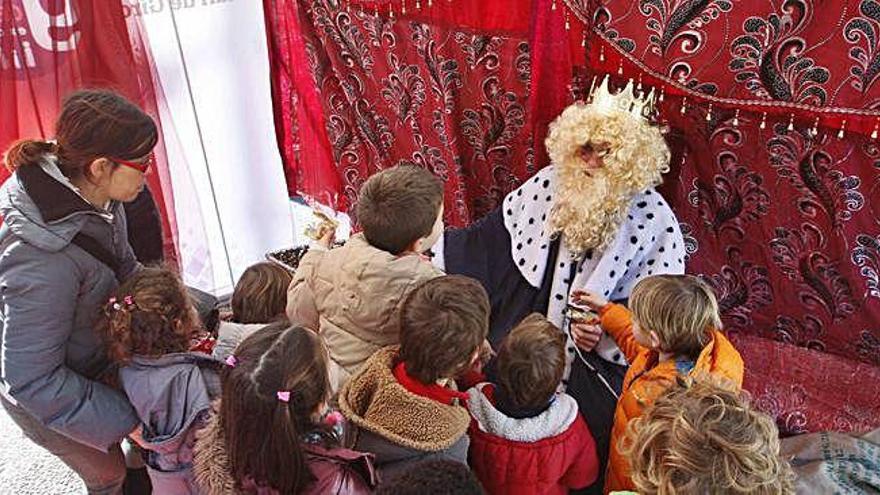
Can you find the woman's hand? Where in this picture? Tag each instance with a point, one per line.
(588, 299)
(585, 335)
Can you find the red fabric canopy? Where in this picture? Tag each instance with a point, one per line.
(777, 210)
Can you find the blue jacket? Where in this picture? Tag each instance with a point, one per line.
(50, 295)
(172, 395)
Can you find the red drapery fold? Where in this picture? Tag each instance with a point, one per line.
(49, 48)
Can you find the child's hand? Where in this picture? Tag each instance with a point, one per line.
(137, 436)
(585, 335)
(486, 353)
(328, 236)
(589, 299)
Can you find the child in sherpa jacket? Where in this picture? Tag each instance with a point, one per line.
(403, 402)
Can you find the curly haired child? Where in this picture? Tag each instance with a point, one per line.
(259, 298)
(699, 438)
(672, 328)
(148, 325)
(273, 434)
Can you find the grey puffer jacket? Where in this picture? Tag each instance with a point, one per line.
(50, 294)
(172, 395)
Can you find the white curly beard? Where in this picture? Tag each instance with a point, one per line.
(588, 208)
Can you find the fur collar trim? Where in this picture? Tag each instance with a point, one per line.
(374, 400)
(550, 423)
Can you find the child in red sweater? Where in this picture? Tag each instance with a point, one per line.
(525, 437)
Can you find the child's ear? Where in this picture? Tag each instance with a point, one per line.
(655, 339)
(416, 246)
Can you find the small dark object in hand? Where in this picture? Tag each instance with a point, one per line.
(289, 258)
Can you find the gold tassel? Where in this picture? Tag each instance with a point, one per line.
(790, 122)
(815, 130)
(403, 8)
(684, 105)
(592, 88)
(430, 3)
(390, 12)
(553, 5)
(418, 4)
(709, 114)
(736, 118)
(662, 94)
(601, 53)
(763, 120)
(874, 132)
(842, 130)
(620, 68)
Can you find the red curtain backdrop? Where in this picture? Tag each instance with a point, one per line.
(49, 48)
(777, 209)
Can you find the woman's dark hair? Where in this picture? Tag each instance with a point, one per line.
(150, 314)
(260, 296)
(263, 433)
(93, 123)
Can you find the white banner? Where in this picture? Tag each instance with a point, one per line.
(230, 195)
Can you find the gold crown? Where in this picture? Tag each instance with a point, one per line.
(639, 106)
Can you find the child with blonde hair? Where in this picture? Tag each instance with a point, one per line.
(352, 294)
(149, 324)
(699, 437)
(672, 327)
(259, 298)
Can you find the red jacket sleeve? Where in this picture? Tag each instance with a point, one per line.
(584, 471)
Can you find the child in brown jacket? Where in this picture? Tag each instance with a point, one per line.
(403, 401)
(352, 295)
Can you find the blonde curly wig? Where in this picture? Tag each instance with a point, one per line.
(702, 437)
(589, 208)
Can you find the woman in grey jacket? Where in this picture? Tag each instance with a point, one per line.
(63, 248)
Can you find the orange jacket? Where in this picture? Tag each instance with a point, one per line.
(647, 378)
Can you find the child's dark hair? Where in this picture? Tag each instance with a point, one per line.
(262, 432)
(531, 362)
(150, 314)
(436, 477)
(443, 322)
(260, 295)
(398, 206)
(93, 123)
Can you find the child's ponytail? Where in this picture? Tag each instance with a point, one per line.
(148, 315)
(270, 396)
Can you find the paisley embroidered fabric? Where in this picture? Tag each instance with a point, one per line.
(780, 221)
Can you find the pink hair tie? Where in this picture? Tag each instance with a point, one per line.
(128, 300)
(231, 361)
(283, 395)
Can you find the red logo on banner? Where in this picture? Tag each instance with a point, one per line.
(38, 31)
